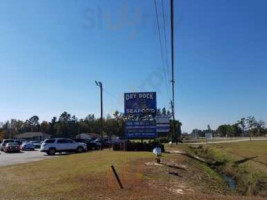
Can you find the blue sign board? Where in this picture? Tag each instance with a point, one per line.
(140, 103)
(163, 124)
(140, 129)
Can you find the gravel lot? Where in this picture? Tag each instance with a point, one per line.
(22, 157)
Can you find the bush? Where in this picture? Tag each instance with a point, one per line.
(163, 140)
(137, 146)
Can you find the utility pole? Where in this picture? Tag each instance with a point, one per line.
(99, 84)
(172, 81)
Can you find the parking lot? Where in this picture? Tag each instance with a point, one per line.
(22, 157)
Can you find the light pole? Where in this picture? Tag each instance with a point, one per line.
(99, 84)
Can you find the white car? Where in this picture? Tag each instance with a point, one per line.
(4, 142)
(52, 146)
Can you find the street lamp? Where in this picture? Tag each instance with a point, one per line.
(99, 84)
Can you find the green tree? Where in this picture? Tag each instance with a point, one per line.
(90, 117)
(45, 127)
(242, 124)
(164, 112)
(223, 130)
(252, 123)
(176, 132)
(67, 126)
(52, 126)
(209, 129)
(117, 115)
(260, 125)
(33, 123)
(236, 130)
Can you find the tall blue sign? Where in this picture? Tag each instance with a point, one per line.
(140, 103)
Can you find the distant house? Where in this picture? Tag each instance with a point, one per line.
(87, 136)
(39, 136)
(208, 136)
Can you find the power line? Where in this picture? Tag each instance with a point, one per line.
(116, 98)
(161, 48)
(110, 94)
(165, 38)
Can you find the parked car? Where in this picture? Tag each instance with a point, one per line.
(52, 146)
(20, 141)
(4, 142)
(118, 140)
(91, 144)
(106, 143)
(27, 146)
(36, 144)
(11, 147)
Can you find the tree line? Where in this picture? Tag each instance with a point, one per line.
(68, 126)
(247, 126)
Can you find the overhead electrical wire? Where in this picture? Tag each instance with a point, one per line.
(165, 38)
(162, 51)
(110, 94)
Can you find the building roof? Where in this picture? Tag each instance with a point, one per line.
(31, 134)
(88, 135)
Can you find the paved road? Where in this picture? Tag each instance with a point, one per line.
(23, 157)
(230, 141)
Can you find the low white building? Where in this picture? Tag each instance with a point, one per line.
(33, 136)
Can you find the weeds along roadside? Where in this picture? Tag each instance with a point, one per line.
(250, 177)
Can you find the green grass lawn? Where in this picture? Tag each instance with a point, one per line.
(65, 177)
(246, 162)
(246, 149)
(89, 176)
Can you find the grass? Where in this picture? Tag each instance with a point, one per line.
(64, 176)
(246, 149)
(215, 139)
(244, 161)
(89, 176)
(210, 181)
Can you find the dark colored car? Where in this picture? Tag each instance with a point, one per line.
(91, 144)
(12, 147)
(106, 142)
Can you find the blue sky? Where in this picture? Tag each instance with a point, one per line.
(51, 53)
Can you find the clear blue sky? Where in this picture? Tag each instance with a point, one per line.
(52, 51)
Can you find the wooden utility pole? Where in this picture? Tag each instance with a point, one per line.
(173, 71)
